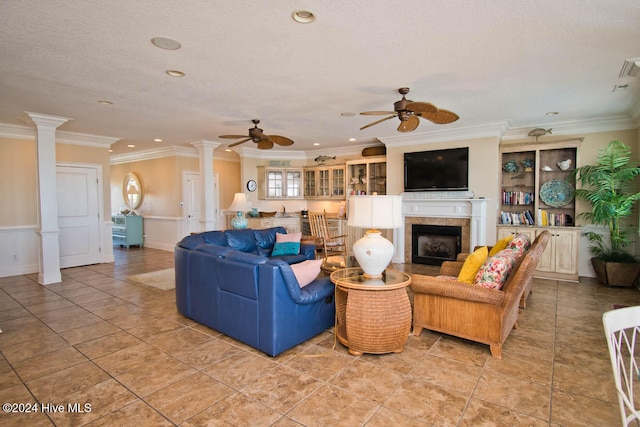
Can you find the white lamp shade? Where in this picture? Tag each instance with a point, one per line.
(239, 203)
(375, 211)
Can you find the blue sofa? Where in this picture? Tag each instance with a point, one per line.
(227, 281)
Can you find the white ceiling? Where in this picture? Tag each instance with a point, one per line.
(490, 61)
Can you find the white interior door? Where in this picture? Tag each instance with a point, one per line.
(192, 202)
(78, 215)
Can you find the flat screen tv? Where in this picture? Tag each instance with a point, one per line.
(437, 170)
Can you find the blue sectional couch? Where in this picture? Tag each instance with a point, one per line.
(227, 281)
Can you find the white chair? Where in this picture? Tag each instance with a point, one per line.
(622, 328)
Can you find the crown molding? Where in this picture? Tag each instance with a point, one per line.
(155, 153)
(29, 132)
(495, 130)
(572, 127)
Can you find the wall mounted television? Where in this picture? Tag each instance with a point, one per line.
(437, 170)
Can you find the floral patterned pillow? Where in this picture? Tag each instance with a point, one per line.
(521, 242)
(494, 272)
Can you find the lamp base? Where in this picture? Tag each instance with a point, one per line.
(373, 253)
(239, 221)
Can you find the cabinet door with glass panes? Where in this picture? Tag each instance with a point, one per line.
(280, 183)
(367, 176)
(328, 182)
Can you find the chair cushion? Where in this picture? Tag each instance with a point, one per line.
(500, 245)
(472, 264)
(495, 270)
(306, 271)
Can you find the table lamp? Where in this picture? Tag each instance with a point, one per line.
(239, 204)
(373, 252)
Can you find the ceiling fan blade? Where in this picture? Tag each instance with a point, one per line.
(281, 140)
(239, 142)
(442, 117)
(377, 121)
(422, 107)
(265, 144)
(409, 125)
(232, 136)
(377, 113)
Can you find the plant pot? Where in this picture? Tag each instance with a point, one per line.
(620, 274)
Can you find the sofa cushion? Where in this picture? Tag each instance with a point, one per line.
(472, 264)
(495, 270)
(192, 241)
(242, 240)
(521, 242)
(288, 237)
(215, 238)
(265, 238)
(500, 245)
(216, 250)
(306, 271)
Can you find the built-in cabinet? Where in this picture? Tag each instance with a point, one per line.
(127, 230)
(367, 176)
(560, 258)
(324, 182)
(537, 194)
(279, 183)
(291, 224)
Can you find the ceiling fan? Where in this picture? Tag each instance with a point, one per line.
(256, 135)
(408, 112)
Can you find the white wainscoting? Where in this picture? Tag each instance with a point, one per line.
(162, 232)
(18, 250)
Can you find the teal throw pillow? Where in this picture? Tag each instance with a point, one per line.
(285, 248)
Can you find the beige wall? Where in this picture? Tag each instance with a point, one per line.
(18, 182)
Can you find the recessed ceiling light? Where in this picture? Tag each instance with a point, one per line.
(347, 114)
(552, 113)
(316, 143)
(105, 102)
(131, 146)
(352, 139)
(227, 149)
(166, 43)
(303, 16)
(175, 73)
(157, 140)
(110, 150)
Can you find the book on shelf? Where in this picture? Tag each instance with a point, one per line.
(517, 218)
(550, 219)
(517, 197)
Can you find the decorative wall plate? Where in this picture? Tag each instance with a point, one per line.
(556, 193)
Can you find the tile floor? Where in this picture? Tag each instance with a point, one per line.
(122, 348)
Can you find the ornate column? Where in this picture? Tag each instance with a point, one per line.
(207, 194)
(48, 232)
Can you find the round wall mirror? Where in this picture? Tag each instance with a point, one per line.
(132, 191)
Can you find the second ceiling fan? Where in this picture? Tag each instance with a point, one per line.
(408, 112)
(256, 135)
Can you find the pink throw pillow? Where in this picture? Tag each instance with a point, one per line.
(289, 237)
(306, 271)
(495, 271)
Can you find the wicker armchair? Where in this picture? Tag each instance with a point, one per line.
(473, 312)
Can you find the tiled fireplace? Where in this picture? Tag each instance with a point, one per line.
(468, 214)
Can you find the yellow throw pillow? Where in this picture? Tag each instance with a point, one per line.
(472, 264)
(500, 245)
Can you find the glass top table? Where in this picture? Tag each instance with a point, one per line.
(354, 278)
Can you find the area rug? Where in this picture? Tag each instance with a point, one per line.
(161, 279)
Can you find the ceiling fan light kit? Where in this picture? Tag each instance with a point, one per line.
(408, 111)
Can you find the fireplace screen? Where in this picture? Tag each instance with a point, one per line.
(433, 244)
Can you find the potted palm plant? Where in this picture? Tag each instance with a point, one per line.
(608, 186)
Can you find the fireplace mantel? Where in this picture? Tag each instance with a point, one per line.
(474, 209)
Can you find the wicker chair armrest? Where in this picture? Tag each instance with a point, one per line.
(451, 268)
(421, 284)
(462, 257)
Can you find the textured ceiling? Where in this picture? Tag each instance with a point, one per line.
(489, 61)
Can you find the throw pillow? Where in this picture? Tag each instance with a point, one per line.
(495, 270)
(472, 264)
(306, 271)
(285, 248)
(520, 243)
(500, 245)
(289, 237)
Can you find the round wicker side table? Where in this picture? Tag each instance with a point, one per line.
(373, 315)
